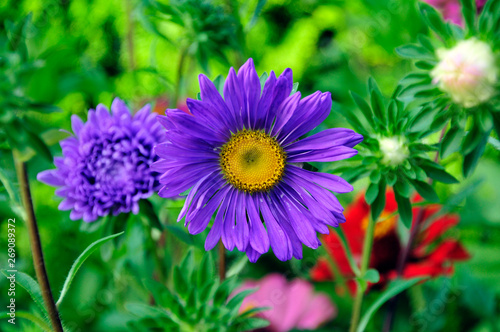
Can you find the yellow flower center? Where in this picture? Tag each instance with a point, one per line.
(383, 227)
(252, 161)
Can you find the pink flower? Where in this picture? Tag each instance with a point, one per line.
(293, 305)
(452, 10)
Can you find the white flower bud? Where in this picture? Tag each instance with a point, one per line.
(467, 72)
(393, 149)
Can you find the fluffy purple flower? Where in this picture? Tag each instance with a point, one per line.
(105, 167)
(241, 156)
(292, 305)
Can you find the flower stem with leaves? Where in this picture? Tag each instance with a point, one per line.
(36, 247)
(365, 261)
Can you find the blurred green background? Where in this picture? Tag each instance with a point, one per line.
(87, 52)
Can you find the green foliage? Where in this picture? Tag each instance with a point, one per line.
(468, 125)
(16, 69)
(197, 301)
(395, 151)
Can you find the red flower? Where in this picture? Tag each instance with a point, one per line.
(432, 254)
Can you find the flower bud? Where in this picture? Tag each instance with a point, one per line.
(393, 149)
(467, 72)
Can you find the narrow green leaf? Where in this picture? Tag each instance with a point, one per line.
(472, 139)
(469, 13)
(364, 108)
(412, 51)
(251, 324)
(31, 286)
(181, 284)
(379, 203)
(371, 193)
(404, 209)
(206, 270)
(434, 20)
(180, 233)
(79, 261)
(425, 190)
(377, 101)
(223, 291)
(160, 292)
(237, 267)
(471, 159)
(394, 288)
(144, 310)
(451, 141)
(41, 323)
(402, 187)
(437, 172)
(235, 303)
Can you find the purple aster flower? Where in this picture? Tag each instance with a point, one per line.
(105, 167)
(241, 155)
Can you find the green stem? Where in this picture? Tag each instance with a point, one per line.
(222, 261)
(36, 246)
(130, 35)
(332, 264)
(365, 261)
(180, 76)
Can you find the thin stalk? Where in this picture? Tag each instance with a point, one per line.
(332, 264)
(392, 305)
(365, 261)
(180, 77)
(36, 247)
(222, 261)
(130, 35)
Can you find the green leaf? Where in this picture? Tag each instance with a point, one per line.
(402, 187)
(235, 303)
(237, 267)
(472, 139)
(187, 266)
(79, 261)
(364, 107)
(223, 291)
(394, 288)
(377, 101)
(148, 211)
(206, 270)
(144, 310)
(41, 323)
(371, 193)
(437, 172)
(379, 203)
(412, 51)
(372, 276)
(404, 209)
(294, 88)
(180, 283)
(160, 293)
(251, 324)
(425, 190)
(451, 141)
(471, 159)
(180, 233)
(434, 20)
(31, 286)
(469, 13)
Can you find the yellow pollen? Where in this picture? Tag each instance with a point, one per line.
(252, 161)
(383, 227)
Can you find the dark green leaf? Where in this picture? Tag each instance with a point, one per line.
(451, 141)
(372, 276)
(469, 12)
(434, 20)
(437, 172)
(148, 211)
(371, 193)
(471, 159)
(404, 209)
(364, 107)
(379, 203)
(206, 269)
(180, 233)
(425, 190)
